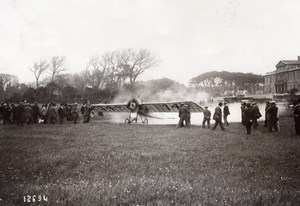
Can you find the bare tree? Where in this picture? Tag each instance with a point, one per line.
(99, 71)
(7, 81)
(115, 72)
(56, 66)
(38, 69)
(85, 77)
(135, 63)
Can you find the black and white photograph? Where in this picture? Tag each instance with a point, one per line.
(150, 102)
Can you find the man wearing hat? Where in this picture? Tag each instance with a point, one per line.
(61, 113)
(184, 115)
(243, 109)
(52, 113)
(6, 112)
(28, 114)
(75, 113)
(297, 117)
(272, 116)
(218, 117)
(249, 117)
(206, 117)
(257, 114)
(20, 114)
(226, 113)
(266, 117)
(35, 113)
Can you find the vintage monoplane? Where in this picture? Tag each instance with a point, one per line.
(143, 110)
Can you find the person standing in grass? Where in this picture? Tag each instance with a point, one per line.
(44, 111)
(297, 117)
(28, 114)
(52, 114)
(184, 115)
(257, 115)
(6, 112)
(266, 116)
(206, 117)
(249, 117)
(36, 112)
(87, 112)
(61, 113)
(272, 115)
(226, 113)
(218, 117)
(20, 114)
(243, 108)
(75, 113)
(14, 113)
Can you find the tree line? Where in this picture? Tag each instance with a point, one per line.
(228, 83)
(102, 77)
(117, 72)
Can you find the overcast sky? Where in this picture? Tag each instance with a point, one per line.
(189, 36)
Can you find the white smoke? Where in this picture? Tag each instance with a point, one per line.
(171, 94)
(178, 92)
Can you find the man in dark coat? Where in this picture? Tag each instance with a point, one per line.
(1, 112)
(75, 113)
(82, 109)
(52, 114)
(206, 117)
(184, 115)
(20, 114)
(297, 117)
(87, 112)
(243, 109)
(266, 116)
(61, 113)
(257, 114)
(249, 117)
(35, 112)
(44, 113)
(13, 114)
(69, 115)
(226, 113)
(272, 116)
(28, 114)
(218, 117)
(6, 112)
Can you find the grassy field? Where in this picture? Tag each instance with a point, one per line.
(118, 164)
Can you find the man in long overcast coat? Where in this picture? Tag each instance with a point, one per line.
(218, 117)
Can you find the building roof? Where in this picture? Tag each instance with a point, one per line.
(288, 62)
(277, 72)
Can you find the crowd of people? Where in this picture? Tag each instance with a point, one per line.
(26, 113)
(250, 114)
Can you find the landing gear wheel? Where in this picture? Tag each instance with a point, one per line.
(127, 121)
(145, 121)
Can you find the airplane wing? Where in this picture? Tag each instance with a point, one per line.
(152, 107)
(171, 107)
(111, 107)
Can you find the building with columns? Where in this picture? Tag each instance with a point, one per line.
(284, 78)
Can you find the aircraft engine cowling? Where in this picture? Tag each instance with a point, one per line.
(133, 105)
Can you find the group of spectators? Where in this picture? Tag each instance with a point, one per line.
(185, 116)
(26, 113)
(250, 114)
